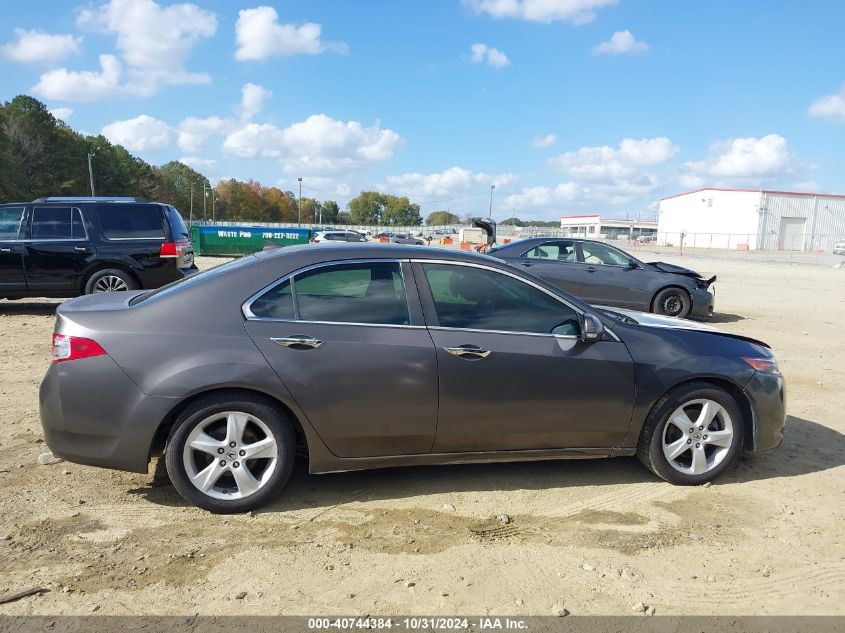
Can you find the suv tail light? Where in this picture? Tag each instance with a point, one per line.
(174, 249)
(74, 347)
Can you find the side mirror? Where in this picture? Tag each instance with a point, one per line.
(592, 329)
(633, 265)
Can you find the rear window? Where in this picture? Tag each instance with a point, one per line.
(177, 224)
(131, 221)
(194, 279)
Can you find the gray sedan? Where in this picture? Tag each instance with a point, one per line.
(365, 356)
(600, 273)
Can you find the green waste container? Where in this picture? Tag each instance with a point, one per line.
(233, 240)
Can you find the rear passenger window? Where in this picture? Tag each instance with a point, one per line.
(563, 251)
(56, 223)
(353, 293)
(121, 222)
(10, 222)
(372, 293)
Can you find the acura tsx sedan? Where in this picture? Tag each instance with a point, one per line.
(600, 273)
(366, 356)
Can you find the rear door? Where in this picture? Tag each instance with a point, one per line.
(348, 341)
(556, 261)
(11, 249)
(57, 250)
(610, 279)
(135, 232)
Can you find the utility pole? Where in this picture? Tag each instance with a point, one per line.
(204, 198)
(300, 201)
(492, 187)
(212, 205)
(191, 218)
(91, 171)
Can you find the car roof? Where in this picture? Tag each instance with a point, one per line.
(376, 250)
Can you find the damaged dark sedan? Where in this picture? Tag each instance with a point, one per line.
(599, 273)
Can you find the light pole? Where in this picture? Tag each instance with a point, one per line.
(191, 217)
(204, 199)
(212, 204)
(492, 187)
(91, 171)
(300, 201)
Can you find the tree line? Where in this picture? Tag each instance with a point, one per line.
(42, 156)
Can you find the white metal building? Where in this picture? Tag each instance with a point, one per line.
(596, 227)
(752, 219)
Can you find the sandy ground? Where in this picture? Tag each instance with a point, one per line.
(598, 535)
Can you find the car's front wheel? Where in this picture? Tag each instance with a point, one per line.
(692, 435)
(229, 452)
(674, 302)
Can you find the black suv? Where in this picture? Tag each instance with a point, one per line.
(63, 247)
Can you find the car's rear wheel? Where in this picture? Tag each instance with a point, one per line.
(110, 280)
(692, 435)
(230, 453)
(674, 302)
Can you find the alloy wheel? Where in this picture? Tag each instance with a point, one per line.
(673, 305)
(230, 455)
(698, 436)
(110, 283)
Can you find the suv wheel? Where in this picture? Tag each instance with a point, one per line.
(673, 302)
(693, 434)
(110, 280)
(230, 453)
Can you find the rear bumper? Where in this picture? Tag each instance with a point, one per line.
(156, 277)
(767, 393)
(92, 413)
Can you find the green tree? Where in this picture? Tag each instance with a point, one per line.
(331, 212)
(367, 208)
(441, 218)
(399, 211)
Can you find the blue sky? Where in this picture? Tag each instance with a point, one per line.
(567, 106)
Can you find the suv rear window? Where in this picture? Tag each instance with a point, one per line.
(121, 221)
(177, 225)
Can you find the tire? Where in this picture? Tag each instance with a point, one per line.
(110, 280)
(212, 422)
(674, 302)
(723, 433)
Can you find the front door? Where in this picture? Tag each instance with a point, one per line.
(342, 340)
(555, 261)
(57, 251)
(611, 279)
(514, 374)
(11, 249)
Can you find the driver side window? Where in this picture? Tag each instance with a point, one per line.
(473, 298)
(595, 253)
(562, 251)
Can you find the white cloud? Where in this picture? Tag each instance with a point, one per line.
(193, 133)
(450, 182)
(481, 53)
(62, 114)
(253, 98)
(260, 36)
(746, 160)
(620, 43)
(544, 141)
(829, 107)
(141, 134)
(607, 163)
(575, 11)
(65, 85)
(38, 46)
(154, 41)
(319, 144)
(534, 198)
(198, 163)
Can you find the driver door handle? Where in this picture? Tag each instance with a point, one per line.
(468, 351)
(527, 264)
(308, 342)
(5, 250)
(590, 269)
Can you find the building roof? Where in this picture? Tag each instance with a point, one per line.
(787, 193)
(570, 217)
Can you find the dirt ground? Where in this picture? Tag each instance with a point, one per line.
(598, 535)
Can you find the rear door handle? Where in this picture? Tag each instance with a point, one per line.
(308, 342)
(6, 250)
(80, 249)
(469, 352)
(527, 264)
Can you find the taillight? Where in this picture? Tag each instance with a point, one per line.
(313, 240)
(173, 249)
(74, 347)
